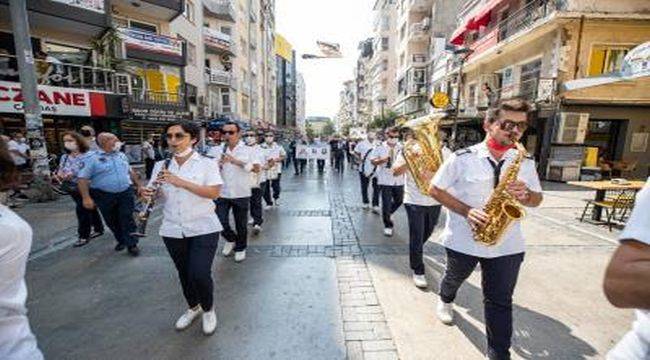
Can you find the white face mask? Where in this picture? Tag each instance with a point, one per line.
(117, 146)
(250, 140)
(183, 153)
(269, 139)
(70, 145)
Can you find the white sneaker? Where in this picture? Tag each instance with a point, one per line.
(257, 229)
(366, 206)
(187, 318)
(420, 281)
(376, 209)
(388, 232)
(276, 202)
(209, 322)
(240, 256)
(251, 221)
(267, 207)
(228, 248)
(445, 312)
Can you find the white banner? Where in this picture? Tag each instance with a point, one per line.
(54, 100)
(309, 152)
(142, 40)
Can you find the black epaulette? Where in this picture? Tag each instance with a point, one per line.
(463, 151)
(207, 156)
(529, 157)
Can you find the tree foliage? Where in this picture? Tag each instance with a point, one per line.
(382, 122)
(328, 129)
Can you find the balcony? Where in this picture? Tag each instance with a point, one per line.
(143, 45)
(419, 31)
(220, 9)
(162, 10)
(68, 75)
(218, 42)
(420, 6)
(220, 77)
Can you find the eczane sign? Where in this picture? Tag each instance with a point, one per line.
(53, 100)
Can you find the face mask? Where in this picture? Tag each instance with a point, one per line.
(184, 153)
(22, 140)
(70, 145)
(269, 139)
(250, 140)
(392, 141)
(117, 146)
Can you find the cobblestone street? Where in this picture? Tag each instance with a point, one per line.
(321, 282)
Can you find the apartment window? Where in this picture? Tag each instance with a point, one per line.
(189, 12)
(402, 32)
(191, 53)
(244, 105)
(226, 30)
(606, 59)
(143, 26)
(205, 24)
(225, 100)
(384, 43)
(401, 60)
(244, 45)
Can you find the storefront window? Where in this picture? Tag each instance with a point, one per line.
(65, 54)
(604, 134)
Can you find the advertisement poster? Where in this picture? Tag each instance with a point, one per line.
(54, 100)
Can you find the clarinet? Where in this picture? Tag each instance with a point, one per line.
(145, 208)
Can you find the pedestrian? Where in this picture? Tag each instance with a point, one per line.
(320, 162)
(392, 186)
(19, 150)
(237, 161)
(422, 213)
(71, 162)
(367, 172)
(107, 180)
(338, 148)
(88, 132)
(300, 164)
(275, 154)
(16, 338)
(188, 184)
(148, 154)
(256, 179)
(627, 278)
(464, 193)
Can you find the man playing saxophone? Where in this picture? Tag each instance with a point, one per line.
(463, 184)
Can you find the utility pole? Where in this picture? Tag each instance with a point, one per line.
(31, 106)
(454, 128)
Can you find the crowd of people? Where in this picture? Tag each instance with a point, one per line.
(237, 175)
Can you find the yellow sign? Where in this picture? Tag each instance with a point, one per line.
(283, 48)
(439, 100)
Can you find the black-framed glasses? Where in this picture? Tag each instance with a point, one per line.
(509, 125)
(177, 136)
(229, 132)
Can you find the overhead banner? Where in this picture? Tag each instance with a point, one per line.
(54, 100)
(310, 152)
(217, 39)
(150, 42)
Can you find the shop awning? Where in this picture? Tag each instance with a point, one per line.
(482, 18)
(458, 36)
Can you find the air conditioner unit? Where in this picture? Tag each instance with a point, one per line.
(572, 128)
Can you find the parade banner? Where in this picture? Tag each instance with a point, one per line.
(311, 152)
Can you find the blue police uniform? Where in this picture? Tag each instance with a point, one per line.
(110, 188)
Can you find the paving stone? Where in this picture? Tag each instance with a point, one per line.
(360, 335)
(354, 350)
(358, 325)
(377, 345)
(381, 355)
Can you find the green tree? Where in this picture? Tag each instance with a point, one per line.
(345, 129)
(328, 129)
(382, 122)
(309, 131)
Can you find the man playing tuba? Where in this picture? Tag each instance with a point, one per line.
(463, 184)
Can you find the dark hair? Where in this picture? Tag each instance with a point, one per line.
(87, 131)
(80, 140)
(189, 127)
(392, 129)
(514, 104)
(231, 123)
(8, 171)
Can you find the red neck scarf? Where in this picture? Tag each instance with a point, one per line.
(496, 146)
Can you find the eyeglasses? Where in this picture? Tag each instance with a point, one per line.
(509, 125)
(177, 136)
(229, 132)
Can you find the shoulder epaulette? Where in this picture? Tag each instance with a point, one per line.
(463, 151)
(207, 156)
(529, 157)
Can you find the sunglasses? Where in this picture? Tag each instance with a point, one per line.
(393, 136)
(177, 136)
(509, 125)
(229, 132)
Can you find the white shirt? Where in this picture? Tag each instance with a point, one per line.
(384, 172)
(22, 148)
(274, 151)
(468, 176)
(259, 157)
(186, 214)
(236, 179)
(364, 149)
(412, 193)
(16, 339)
(635, 345)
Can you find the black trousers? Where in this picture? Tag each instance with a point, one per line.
(391, 199)
(86, 219)
(339, 160)
(239, 208)
(193, 258)
(422, 220)
(498, 280)
(117, 210)
(271, 190)
(256, 206)
(299, 165)
(321, 165)
(365, 182)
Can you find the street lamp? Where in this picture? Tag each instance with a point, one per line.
(464, 53)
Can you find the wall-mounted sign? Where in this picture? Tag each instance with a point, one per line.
(53, 100)
(150, 42)
(92, 5)
(157, 113)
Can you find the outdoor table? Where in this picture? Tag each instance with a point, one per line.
(602, 187)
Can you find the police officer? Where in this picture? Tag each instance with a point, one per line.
(392, 186)
(107, 180)
(465, 193)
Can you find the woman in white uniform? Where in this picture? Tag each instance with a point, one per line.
(16, 339)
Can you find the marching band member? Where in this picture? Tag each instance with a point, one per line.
(392, 186)
(422, 213)
(465, 193)
(237, 161)
(256, 177)
(276, 154)
(362, 152)
(190, 228)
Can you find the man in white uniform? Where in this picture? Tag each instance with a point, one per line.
(256, 178)
(463, 185)
(275, 154)
(627, 280)
(362, 152)
(392, 186)
(19, 151)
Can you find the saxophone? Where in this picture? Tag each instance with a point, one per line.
(502, 208)
(423, 154)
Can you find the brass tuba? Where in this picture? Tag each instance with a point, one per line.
(423, 154)
(502, 209)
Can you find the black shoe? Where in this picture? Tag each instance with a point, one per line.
(134, 250)
(119, 247)
(95, 234)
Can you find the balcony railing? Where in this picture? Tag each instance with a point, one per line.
(157, 97)
(68, 75)
(217, 41)
(419, 31)
(220, 77)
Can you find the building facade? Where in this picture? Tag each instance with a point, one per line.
(384, 60)
(301, 103)
(286, 77)
(363, 81)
